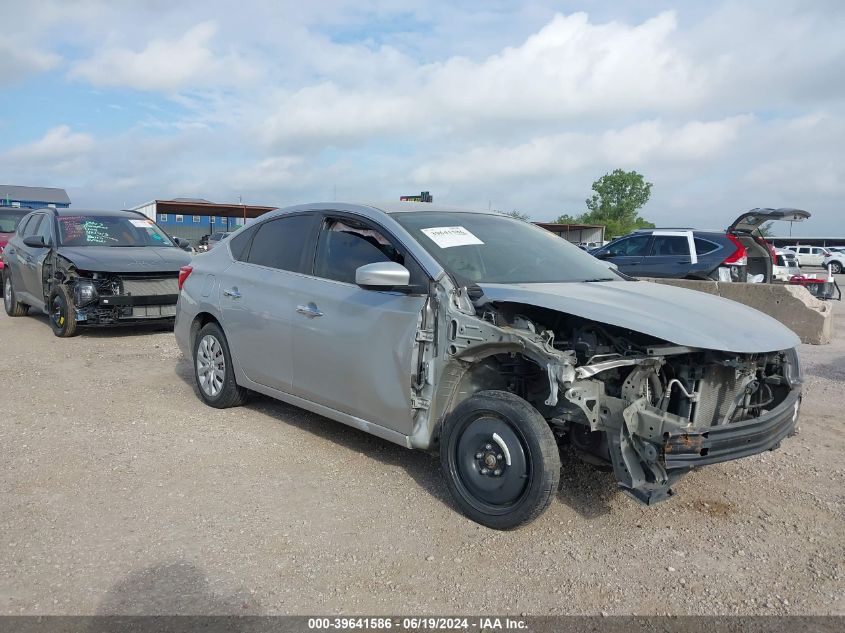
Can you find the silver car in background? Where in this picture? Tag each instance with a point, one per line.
(489, 340)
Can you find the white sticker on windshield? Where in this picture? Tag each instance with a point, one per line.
(141, 224)
(449, 236)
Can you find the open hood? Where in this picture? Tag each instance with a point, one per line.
(677, 315)
(751, 220)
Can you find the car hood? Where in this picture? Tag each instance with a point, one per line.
(677, 315)
(136, 259)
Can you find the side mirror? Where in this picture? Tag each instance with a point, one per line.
(603, 255)
(382, 276)
(34, 241)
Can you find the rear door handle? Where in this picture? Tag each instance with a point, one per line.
(311, 310)
(232, 292)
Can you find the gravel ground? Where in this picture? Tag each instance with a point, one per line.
(121, 493)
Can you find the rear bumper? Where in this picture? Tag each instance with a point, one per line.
(688, 449)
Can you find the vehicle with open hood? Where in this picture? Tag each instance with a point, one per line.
(739, 254)
(489, 340)
(91, 268)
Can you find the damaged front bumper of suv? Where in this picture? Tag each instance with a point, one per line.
(105, 299)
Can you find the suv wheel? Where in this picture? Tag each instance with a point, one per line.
(213, 369)
(62, 312)
(500, 459)
(14, 308)
(835, 267)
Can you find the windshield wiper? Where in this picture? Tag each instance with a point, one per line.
(589, 281)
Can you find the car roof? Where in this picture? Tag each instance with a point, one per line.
(388, 207)
(94, 212)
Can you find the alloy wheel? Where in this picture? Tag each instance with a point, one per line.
(211, 365)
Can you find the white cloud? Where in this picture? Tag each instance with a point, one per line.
(561, 154)
(20, 58)
(57, 144)
(166, 65)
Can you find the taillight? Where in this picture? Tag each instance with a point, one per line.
(184, 272)
(739, 256)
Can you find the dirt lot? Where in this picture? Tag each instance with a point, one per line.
(121, 493)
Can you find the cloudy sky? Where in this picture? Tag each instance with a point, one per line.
(724, 107)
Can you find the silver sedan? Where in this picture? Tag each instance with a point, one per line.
(487, 339)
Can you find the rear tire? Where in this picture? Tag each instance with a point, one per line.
(62, 312)
(14, 308)
(213, 371)
(500, 459)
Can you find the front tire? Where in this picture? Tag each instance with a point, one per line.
(14, 308)
(835, 268)
(500, 459)
(213, 371)
(62, 312)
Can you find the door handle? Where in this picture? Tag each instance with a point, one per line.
(311, 310)
(232, 292)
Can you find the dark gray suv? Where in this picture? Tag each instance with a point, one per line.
(91, 268)
(737, 254)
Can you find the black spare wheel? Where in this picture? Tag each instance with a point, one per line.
(62, 312)
(500, 459)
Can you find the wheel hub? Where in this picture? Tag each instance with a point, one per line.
(490, 460)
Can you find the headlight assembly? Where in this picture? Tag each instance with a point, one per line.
(84, 292)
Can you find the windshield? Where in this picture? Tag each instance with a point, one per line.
(9, 219)
(483, 248)
(103, 230)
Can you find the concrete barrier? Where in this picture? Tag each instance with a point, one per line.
(810, 318)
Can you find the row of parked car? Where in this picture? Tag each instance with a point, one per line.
(739, 253)
(471, 334)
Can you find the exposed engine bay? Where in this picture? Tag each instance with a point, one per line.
(105, 298)
(650, 409)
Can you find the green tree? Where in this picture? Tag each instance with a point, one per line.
(765, 230)
(568, 219)
(618, 197)
(519, 216)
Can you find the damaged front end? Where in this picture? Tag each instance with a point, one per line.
(650, 409)
(102, 298)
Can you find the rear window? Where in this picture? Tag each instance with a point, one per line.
(10, 218)
(703, 247)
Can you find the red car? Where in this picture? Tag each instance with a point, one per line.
(9, 218)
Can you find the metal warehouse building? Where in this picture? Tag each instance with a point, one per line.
(33, 197)
(192, 218)
(577, 233)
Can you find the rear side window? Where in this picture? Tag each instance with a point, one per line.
(703, 247)
(279, 243)
(670, 245)
(239, 245)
